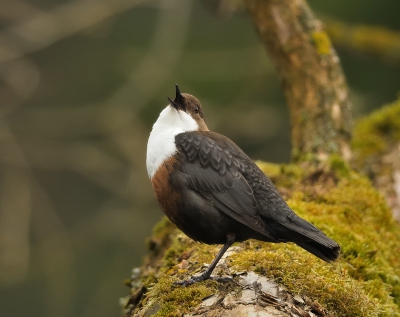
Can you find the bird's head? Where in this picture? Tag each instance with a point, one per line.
(186, 111)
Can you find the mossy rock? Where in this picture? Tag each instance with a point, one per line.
(364, 281)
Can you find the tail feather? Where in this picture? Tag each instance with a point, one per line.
(312, 239)
(326, 253)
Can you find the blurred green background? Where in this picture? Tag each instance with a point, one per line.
(81, 83)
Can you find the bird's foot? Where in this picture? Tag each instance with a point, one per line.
(203, 277)
(192, 280)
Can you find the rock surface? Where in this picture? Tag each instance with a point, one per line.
(259, 297)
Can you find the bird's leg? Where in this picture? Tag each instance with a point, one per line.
(207, 274)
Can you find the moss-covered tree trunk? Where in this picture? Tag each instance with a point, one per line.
(311, 76)
(376, 146)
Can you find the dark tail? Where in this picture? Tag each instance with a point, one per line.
(312, 239)
(328, 252)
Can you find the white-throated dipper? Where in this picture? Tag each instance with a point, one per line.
(212, 191)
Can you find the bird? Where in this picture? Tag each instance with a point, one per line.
(214, 193)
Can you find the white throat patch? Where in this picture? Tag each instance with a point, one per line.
(161, 144)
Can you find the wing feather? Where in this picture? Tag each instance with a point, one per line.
(213, 172)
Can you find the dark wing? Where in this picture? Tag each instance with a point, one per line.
(214, 173)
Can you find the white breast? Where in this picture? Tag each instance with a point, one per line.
(161, 144)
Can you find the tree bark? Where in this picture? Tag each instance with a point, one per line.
(311, 76)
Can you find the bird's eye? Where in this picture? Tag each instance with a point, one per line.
(196, 109)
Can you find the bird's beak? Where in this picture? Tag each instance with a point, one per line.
(172, 103)
(177, 103)
(178, 95)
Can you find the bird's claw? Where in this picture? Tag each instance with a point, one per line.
(192, 280)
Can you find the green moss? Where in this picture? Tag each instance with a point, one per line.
(172, 300)
(161, 232)
(363, 282)
(175, 301)
(322, 42)
(162, 228)
(374, 134)
(339, 165)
